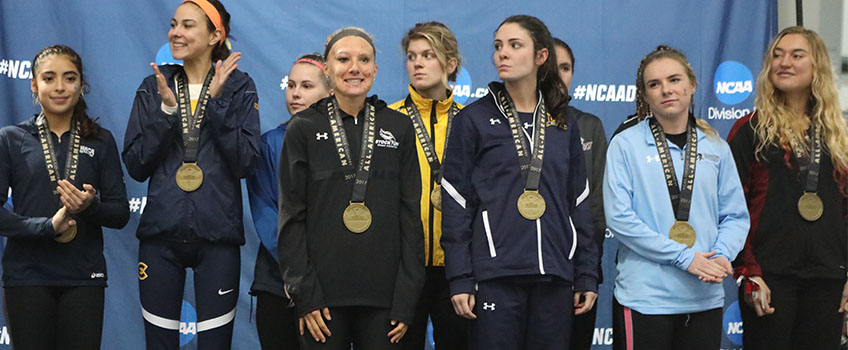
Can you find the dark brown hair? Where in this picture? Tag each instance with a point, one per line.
(547, 79)
(88, 127)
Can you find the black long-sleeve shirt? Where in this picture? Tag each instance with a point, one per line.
(325, 265)
(32, 257)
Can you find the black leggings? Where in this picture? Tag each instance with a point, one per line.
(276, 323)
(806, 315)
(54, 317)
(693, 331)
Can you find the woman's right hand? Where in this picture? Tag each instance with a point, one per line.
(315, 323)
(463, 305)
(760, 300)
(707, 269)
(164, 91)
(62, 221)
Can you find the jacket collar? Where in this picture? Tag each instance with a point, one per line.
(424, 104)
(649, 137)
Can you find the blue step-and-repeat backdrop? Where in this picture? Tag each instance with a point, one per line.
(724, 40)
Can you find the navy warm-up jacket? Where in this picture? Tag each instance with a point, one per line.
(230, 146)
(484, 236)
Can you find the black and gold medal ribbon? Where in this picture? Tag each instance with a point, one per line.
(357, 216)
(429, 146)
(189, 176)
(680, 195)
(810, 205)
(531, 204)
(71, 163)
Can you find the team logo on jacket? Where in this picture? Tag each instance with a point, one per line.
(87, 150)
(587, 145)
(142, 271)
(387, 140)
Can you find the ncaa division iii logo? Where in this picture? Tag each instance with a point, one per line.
(489, 306)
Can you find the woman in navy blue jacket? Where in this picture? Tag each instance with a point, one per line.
(517, 228)
(193, 133)
(66, 181)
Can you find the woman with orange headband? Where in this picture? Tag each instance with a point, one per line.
(193, 133)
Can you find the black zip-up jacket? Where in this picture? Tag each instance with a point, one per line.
(230, 142)
(32, 257)
(324, 264)
(594, 141)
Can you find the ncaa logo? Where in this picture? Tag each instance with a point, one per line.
(165, 57)
(733, 82)
(188, 324)
(732, 323)
(462, 86)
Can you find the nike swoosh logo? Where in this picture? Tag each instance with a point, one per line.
(222, 292)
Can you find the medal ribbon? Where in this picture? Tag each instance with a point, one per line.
(815, 161)
(343, 148)
(531, 164)
(191, 123)
(681, 197)
(427, 143)
(72, 161)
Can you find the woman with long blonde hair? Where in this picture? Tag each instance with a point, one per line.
(792, 157)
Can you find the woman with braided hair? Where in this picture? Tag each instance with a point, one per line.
(67, 183)
(792, 157)
(677, 241)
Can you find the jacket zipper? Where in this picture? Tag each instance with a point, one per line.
(432, 181)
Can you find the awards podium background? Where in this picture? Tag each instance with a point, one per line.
(724, 41)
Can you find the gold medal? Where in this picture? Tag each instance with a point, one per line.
(67, 236)
(189, 177)
(682, 232)
(810, 206)
(436, 197)
(531, 204)
(357, 217)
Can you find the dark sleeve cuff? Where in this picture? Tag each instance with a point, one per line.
(586, 284)
(464, 285)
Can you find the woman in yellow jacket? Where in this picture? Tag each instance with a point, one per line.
(432, 59)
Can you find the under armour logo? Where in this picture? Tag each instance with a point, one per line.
(655, 158)
(321, 136)
(494, 121)
(489, 306)
(528, 125)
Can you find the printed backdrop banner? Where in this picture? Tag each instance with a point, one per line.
(724, 41)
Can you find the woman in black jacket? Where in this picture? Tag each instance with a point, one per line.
(351, 244)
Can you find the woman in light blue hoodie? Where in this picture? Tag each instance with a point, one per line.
(673, 198)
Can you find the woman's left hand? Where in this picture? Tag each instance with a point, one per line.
(843, 305)
(222, 72)
(73, 199)
(396, 334)
(584, 305)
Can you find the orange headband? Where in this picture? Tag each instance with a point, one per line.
(213, 15)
